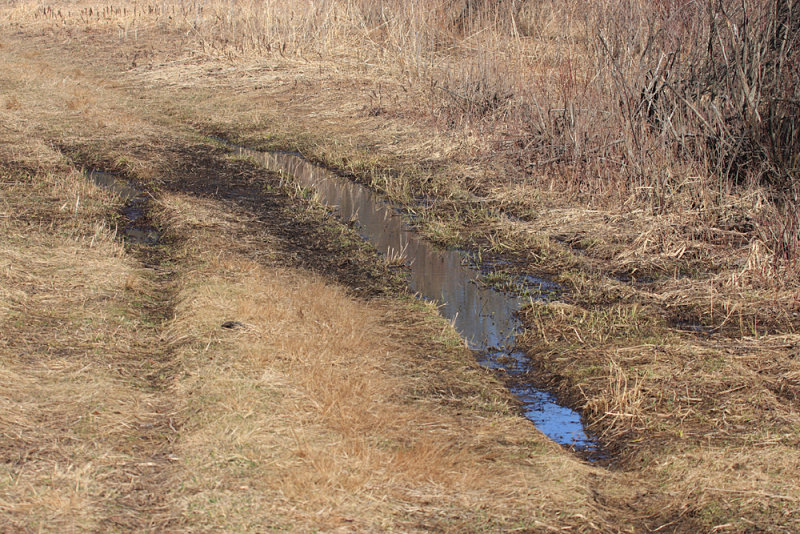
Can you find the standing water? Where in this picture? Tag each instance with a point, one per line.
(485, 317)
(136, 230)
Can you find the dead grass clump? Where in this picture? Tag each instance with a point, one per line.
(674, 404)
(12, 103)
(621, 403)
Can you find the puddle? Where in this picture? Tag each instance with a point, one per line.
(494, 274)
(115, 184)
(485, 317)
(136, 230)
(696, 328)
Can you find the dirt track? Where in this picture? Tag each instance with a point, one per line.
(390, 423)
(339, 403)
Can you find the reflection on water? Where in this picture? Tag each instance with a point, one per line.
(486, 318)
(115, 184)
(135, 231)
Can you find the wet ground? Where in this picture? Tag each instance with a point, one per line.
(485, 317)
(136, 228)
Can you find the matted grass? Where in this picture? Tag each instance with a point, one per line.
(83, 431)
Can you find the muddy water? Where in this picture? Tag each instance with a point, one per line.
(486, 318)
(135, 230)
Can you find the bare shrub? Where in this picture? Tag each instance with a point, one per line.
(714, 83)
(650, 104)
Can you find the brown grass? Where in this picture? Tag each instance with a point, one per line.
(688, 407)
(337, 422)
(646, 103)
(129, 407)
(83, 439)
(678, 334)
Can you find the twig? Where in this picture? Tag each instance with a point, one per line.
(731, 390)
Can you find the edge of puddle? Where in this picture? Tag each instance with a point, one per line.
(495, 348)
(136, 230)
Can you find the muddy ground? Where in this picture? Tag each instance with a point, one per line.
(330, 400)
(129, 407)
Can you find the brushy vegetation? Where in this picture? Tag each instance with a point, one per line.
(667, 105)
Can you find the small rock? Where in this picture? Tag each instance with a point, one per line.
(232, 324)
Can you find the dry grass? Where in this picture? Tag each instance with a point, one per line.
(647, 103)
(679, 337)
(713, 418)
(83, 439)
(322, 412)
(318, 413)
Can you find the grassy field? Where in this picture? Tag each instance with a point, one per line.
(579, 142)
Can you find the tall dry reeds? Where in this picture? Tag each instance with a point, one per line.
(649, 89)
(713, 85)
(663, 104)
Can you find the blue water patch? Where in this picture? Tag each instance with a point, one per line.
(485, 317)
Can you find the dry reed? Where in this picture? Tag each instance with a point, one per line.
(650, 104)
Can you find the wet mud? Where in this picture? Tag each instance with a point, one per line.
(136, 229)
(485, 317)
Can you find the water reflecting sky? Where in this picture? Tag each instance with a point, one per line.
(486, 318)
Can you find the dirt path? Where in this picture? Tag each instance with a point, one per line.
(89, 418)
(334, 402)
